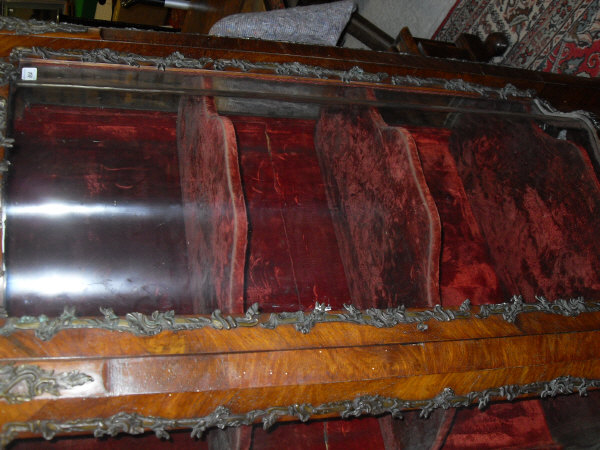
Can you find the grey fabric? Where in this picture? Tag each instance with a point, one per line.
(316, 24)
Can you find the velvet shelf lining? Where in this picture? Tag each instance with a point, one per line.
(288, 212)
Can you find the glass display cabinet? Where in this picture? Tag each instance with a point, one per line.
(212, 234)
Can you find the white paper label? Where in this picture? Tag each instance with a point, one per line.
(29, 73)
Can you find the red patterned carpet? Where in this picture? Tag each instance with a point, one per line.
(561, 36)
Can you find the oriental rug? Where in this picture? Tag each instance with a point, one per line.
(561, 36)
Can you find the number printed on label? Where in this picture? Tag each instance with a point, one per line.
(29, 73)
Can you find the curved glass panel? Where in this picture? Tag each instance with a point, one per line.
(142, 190)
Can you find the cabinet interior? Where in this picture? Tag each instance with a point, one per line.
(202, 209)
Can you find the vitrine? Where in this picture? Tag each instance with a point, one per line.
(207, 233)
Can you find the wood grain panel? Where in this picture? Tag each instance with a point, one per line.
(23, 345)
(332, 366)
(195, 404)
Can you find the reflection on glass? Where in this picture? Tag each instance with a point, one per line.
(62, 210)
(93, 213)
(417, 201)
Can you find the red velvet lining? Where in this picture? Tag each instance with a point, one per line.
(354, 434)
(216, 226)
(385, 218)
(518, 208)
(537, 202)
(291, 436)
(359, 434)
(466, 269)
(119, 167)
(71, 123)
(293, 258)
(269, 275)
(503, 425)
